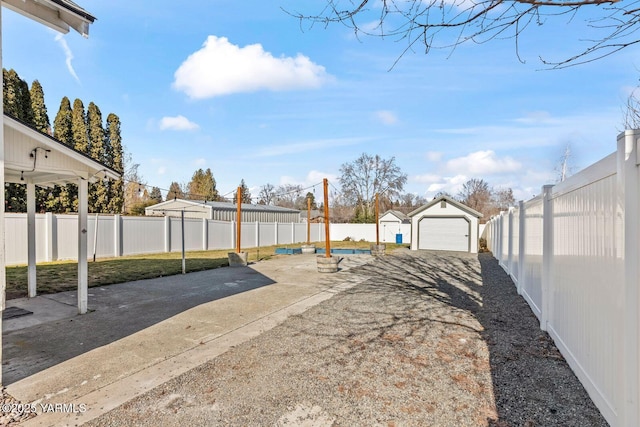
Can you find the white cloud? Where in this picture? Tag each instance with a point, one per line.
(222, 68)
(68, 55)
(313, 178)
(426, 178)
(199, 162)
(161, 170)
(386, 117)
(483, 163)
(434, 156)
(448, 184)
(177, 123)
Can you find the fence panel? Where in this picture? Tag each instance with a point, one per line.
(67, 236)
(284, 234)
(142, 235)
(219, 235)
(531, 272)
(103, 241)
(588, 285)
(267, 234)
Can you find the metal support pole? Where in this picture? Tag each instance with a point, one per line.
(377, 215)
(238, 219)
(326, 219)
(184, 266)
(308, 220)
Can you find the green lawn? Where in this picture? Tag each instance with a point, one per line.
(63, 275)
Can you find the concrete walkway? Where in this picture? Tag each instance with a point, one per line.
(139, 335)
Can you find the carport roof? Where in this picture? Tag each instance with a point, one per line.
(455, 203)
(34, 157)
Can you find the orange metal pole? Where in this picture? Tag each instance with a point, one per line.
(238, 219)
(308, 220)
(377, 215)
(326, 219)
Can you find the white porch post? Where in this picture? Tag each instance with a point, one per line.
(3, 278)
(83, 271)
(31, 239)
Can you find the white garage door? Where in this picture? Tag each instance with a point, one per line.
(443, 234)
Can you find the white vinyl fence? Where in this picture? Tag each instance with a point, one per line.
(573, 254)
(116, 235)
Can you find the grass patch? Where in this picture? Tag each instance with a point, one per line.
(62, 276)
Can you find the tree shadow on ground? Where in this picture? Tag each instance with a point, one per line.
(452, 333)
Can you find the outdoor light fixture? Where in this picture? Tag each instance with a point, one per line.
(21, 175)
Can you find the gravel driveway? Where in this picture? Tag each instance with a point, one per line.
(428, 339)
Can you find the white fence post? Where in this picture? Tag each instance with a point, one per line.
(510, 242)
(233, 234)
(276, 231)
(257, 234)
(629, 184)
(117, 235)
(205, 234)
(50, 234)
(167, 234)
(521, 246)
(547, 255)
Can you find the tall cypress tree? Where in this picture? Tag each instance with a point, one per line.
(10, 93)
(61, 197)
(16, 103)
(41, 123)
(24, 99)
(40, 116)
(98, 191)
(79, 127)
(62, 123)
(115, 159)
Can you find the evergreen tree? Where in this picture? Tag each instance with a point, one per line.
(40, 116)
(155, 195)
(311, 196)
(246, 194)
(62, 123)
(115, 160)
(79, 128)
(41, 123)
(24, 101)
(98, 191)
(60, 197)
(10, 95)
(202, 186)
(175, 191)
(16, 103)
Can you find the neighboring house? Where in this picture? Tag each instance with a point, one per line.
(445, 224)
(315, 216)
(223, 211)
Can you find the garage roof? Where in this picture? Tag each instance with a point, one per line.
(455, 203)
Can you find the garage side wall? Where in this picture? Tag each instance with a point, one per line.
(448, 211)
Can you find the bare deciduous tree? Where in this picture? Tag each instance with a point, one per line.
(450, 23)
(367, 175)
(267, 194)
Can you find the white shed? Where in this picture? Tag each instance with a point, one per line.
(391, 223)
(446, 225)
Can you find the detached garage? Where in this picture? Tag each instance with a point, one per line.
(445, 225)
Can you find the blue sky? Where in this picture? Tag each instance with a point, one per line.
(246, 90)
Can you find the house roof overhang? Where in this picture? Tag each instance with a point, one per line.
(61, 15)
(34, 157)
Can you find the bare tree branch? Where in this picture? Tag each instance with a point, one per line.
(446, 24)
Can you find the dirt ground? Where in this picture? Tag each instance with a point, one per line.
(426, 339)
